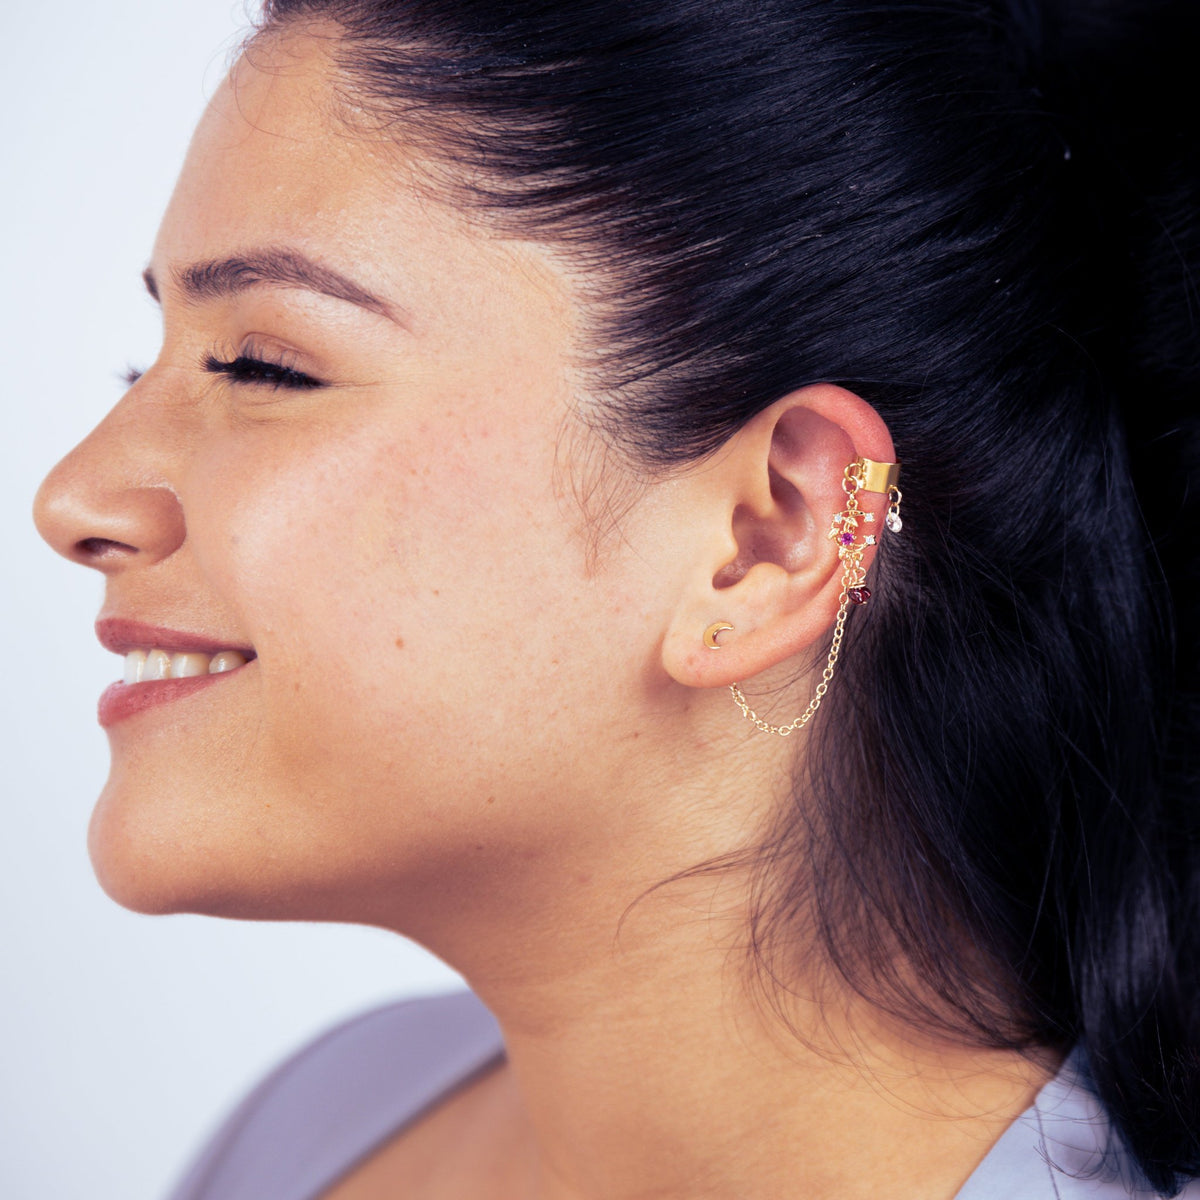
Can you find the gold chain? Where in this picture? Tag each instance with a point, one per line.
(807, 715)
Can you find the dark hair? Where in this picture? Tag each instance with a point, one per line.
(982, 218)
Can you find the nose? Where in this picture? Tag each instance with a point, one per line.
(105, 506)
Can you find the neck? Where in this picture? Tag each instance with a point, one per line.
(647, 1060)
(648, 1064)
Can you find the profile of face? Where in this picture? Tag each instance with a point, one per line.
(358, 463)
(348, 464)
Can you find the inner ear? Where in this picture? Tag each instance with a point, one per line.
(809, 446)
(801, 447)
(783, 540)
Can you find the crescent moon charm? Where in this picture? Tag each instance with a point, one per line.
(710, 634)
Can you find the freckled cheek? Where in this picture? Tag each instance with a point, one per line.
(342, 546)
(286, 533)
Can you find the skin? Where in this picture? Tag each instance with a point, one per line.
(462, 723)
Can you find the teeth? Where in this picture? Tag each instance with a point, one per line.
(158, 665)
(183, 665)
(142, 666)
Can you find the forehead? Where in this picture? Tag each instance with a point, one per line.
(269, 149)
(272, 162)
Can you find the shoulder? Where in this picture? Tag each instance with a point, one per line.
(1062, 1148)
(337, 1098)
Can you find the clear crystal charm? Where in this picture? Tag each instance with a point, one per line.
(893, 522)
(869, 539)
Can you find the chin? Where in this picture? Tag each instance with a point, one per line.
(152, 856)
(135, 867)
(156, 852)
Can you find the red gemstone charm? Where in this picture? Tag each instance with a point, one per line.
(859, 595)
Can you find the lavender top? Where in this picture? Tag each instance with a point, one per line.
(340, 1098)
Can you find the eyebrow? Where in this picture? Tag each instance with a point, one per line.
(218, 278)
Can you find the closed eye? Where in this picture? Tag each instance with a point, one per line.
(244, 369)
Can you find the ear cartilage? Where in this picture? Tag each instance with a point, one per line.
(862, 475)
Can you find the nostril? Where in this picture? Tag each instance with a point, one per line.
(98, 547)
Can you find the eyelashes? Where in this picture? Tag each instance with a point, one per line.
(245, 369)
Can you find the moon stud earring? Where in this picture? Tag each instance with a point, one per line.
(710, 634)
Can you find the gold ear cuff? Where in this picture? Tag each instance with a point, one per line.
(862, 475)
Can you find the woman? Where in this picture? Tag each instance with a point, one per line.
(544, 390)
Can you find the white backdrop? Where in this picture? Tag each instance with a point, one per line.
(123, 1037)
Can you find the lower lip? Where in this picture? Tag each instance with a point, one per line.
(122, 700)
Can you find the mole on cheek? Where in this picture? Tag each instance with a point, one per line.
(399, 643)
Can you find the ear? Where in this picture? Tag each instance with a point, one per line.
(759, 535)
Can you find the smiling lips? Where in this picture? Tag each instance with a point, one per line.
(161, 665)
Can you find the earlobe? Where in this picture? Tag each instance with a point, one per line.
(802, 500)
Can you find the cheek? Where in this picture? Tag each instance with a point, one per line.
(396, 589)
(426, 698)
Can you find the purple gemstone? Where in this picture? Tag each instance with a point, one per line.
(847, 539)
(859, 595)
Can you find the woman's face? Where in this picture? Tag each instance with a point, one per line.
(384, 517)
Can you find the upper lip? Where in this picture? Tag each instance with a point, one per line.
(121, 635)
